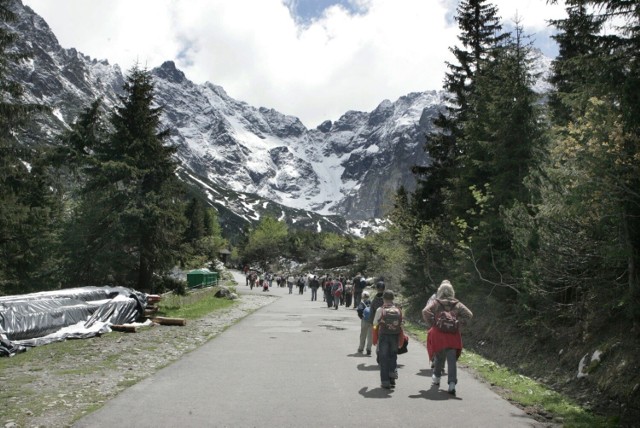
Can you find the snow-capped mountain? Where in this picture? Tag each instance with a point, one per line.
(235, 152)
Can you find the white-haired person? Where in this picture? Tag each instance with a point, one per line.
(444, 315)
(366, 323)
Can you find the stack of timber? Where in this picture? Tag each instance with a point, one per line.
(152, 305)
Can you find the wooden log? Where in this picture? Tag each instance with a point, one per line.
(125, 328)
(169, 321)
(154, 298)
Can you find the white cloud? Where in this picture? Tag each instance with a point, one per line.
(255, 50)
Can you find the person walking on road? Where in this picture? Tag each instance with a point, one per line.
(443, 316)
(359, 283)
(387, 325)
(314, 284)
(366, 323)
(326, 287)
(377, 302)
(348, 294)
(336, 292)
(290, 281)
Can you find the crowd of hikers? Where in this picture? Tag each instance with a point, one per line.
(381, 319)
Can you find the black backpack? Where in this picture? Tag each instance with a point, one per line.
(390, 320)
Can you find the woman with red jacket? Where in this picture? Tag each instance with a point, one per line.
(443, 316)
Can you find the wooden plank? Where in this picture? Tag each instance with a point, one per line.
(169, 321)
(125, 328)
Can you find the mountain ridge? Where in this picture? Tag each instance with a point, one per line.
(349, 167)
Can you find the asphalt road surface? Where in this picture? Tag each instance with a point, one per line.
(294, 363)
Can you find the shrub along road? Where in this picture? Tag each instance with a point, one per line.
(293, 363)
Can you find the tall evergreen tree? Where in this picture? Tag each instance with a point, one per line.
(480, 33)
(571, 70)
(613, 76)
(500, 142)
(132, 196)
(29, 208)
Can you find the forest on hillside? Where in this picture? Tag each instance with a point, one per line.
(531, 201)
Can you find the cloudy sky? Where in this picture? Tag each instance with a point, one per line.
(314, 59)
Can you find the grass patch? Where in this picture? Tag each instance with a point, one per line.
(523, 390)
(194, 305)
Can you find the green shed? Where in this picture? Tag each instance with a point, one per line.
(201, 278)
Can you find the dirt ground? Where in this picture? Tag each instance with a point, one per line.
(58, 384)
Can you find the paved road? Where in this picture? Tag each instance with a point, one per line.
(293, 363)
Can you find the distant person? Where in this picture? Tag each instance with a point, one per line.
(443, 316)
(326, 287)
(348, 293)
(359, 284)
(336, 292)
(290, 281)
(314, 284)
(377, 302)
(388, 323)
(301, 285)
(366, 323)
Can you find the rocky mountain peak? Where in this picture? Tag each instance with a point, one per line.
(348, 168)
(170, 73)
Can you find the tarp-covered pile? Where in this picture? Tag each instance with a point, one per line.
(40, 318)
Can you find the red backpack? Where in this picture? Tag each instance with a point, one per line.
(446, 319)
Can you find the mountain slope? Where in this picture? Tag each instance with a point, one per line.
(350, 167)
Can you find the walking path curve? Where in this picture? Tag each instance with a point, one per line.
(294, 363)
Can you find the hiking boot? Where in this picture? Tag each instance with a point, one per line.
(435, 380)
(392, 381)
(368, 352)
(359, 351)
(386, 385)
(452, 388)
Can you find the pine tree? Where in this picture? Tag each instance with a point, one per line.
(610, 80)
(500, 142)
(132, 199)
(480, 33)
(29, 208)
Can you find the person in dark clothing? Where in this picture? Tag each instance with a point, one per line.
(359, 284)
(314, 284)
(388, 325)
(377, 302)
(326, 286)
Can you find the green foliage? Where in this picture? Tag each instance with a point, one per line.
(193, 305)
(30, 207)
(266, 242)
(125, 225)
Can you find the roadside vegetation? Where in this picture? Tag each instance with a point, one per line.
(529, 206)
(537, 399)
(192, 305)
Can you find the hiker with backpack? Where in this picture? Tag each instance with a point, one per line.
(444, 316)
(336, 292)
(388, 334)
(359, 284)
(377, 302)
(366, 323)
(348, 293)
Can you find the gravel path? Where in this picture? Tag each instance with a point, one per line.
(63, 385)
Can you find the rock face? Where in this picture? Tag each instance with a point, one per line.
(349, 168)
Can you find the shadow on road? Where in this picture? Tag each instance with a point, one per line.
(435, 394)
(359, 355)
(375, 393)
(365, 368)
